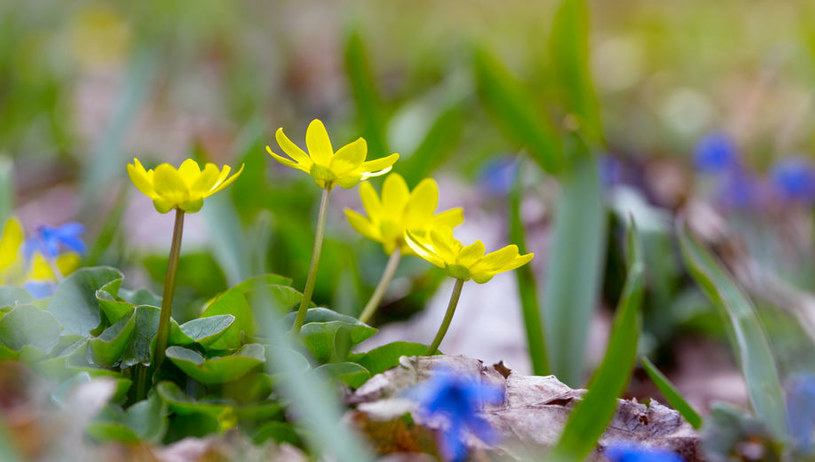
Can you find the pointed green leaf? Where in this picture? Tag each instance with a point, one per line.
(207, 330)
(320, 329)
(515, 113)
(113, 308)
(594, 412)
(107, 349)
(671, 394)
(370, 112)
(28, 325)
(575, 262)
(219, 369)
(74, 302)
(138, 350)
(753, 349)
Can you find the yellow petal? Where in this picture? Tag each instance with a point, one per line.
(470, 254)
(370, 200)
(69, 262)
(163, 205)
(229, 180)
(363, 225)
(169, 185)
(10, 243)
(499, 258)
(423, 249)
(395, 195)
(445, 245)
(206, 181)
(422, 203)
(288, 163)
(378, 167)
(40, 269)
(318, 143)
(189, 171)
(449, 218)
(140, 178)
(348, 180)
(291, 149)
(349, 157)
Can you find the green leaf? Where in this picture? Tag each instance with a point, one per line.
(148, 419)
(527, 284)
(74, 302)
(569, 51)
(140, 297)
(13, 296)
(219, 369)
(594, 412)
(370, 111)
(320, 329)
(387, 356)
(438, 144)
(352, 374)
(113, 308)
(513, 110)
(250, 388)
(227, 238)
(752, 348)
(574, 270)
(233, 302)
(182, 404)
(279, 432)
(671, 394)
(107, 349)
(28, 325)
(262, 411)
(138, 350)
(207, 330)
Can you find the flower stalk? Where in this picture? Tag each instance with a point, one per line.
(311, 281)
(169, 288)
(384, 282)
(448, 316)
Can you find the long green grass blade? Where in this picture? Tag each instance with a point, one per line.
(514, 112)
(527, 284)
(671, 394)
(754, 353)
(593, 413)
(370, 111)
(314, 403)
(440, 141)
(574, 270)
(569, 51)
(6, 187)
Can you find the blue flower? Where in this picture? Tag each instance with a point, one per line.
(625, 451)
(794, 180)
(49, 239)
(458, 401)
(610, 169)
(741, 190)
(715, 153)
(498, 175)
(40, 289)
(801, 409)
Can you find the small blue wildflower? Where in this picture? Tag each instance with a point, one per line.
(715, 153)
(48, 240)
(741, 190)
(625, 451)
(610, 169)
(39, 289)
(457, 400)
(498, 175)
(794, 180)
(800, 392)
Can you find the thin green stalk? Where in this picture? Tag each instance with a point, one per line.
(315, 262)
(169, 289)
(384, 282)
(141, 382)
(445, 323)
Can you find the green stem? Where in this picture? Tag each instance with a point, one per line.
(169, 289)
(315, 262)
(445, 324)
(141, 382)
(384, 282)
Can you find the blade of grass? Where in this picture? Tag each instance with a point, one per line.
(527, 284)
(512, 108)
(569, 51)
(593, 413)
(370, 112)
(753, 349)
(310, 397)
(574, 270)
(440, 141)
(671, 394)
(6, 187)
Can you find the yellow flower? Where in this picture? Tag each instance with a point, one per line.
(10, 242)
(345, 168)
(440, 248)
(42, 270)
(184, 188)
(400, 210)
